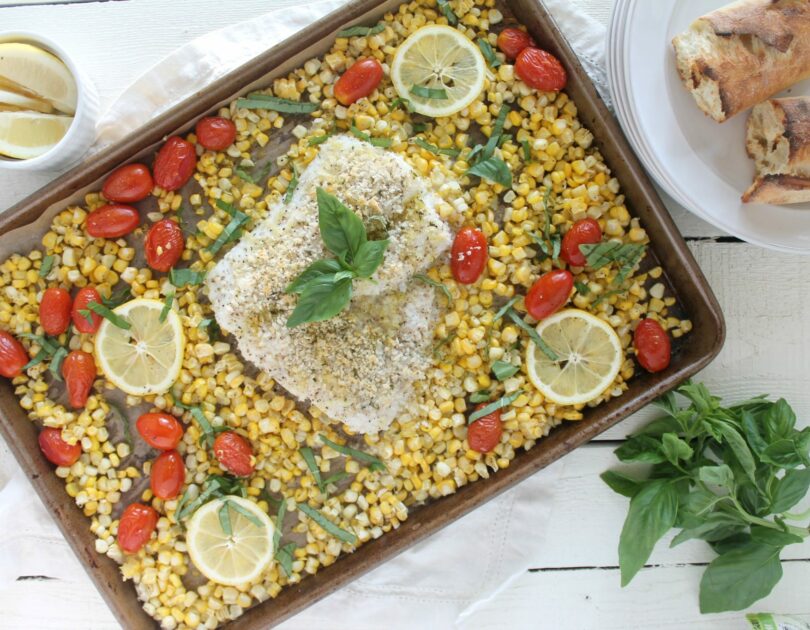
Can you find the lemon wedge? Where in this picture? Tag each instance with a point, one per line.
(438, 70)
(145, 358)
(12, 101)
(29, 69)
(589, 355)
(26, 135)
(230, 540)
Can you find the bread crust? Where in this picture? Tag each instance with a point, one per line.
(743, 53)
(778, 190)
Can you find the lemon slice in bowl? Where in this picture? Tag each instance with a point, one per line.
(35, 72)
(230, 540)
(146, 357)
(26, 135)
(589, 355)
(438, 70)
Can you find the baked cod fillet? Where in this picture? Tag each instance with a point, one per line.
(360, 366)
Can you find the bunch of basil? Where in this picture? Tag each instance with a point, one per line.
(726, 475)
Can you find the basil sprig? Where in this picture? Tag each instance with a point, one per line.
(325, 287)
(726, 475)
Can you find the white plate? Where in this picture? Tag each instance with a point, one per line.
(701, 163)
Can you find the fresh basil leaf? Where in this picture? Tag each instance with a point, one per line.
(373, 463)
(740, 577)
(740, 449)
(790, 489)
(621, 483)
(503, 370)
(106, 313)
(782, 453)
(489, 54)
(320, 301)
(674, 448)
(582, 288)
(257, 100)
(494, 169)
(183, 277)
(342, 230)
(328, 526)
(167, 306)
(774, 537)
(315, 270)
(46, 266)
(752, 433)
(422, 91)
(369, 257)
(734, 541)
(652, 513)
(658, 427)
(492, 407)
(55, 368)
(117, 298)
(41, 356)
(480, 396)
(716, 475)
(361, 31)
(641, 448)
(780, 420)
(444, 6)
(715, 526)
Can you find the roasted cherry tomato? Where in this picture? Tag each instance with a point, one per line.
(160, 430)
(653, 349)
(128, 184)
(583, 232)
(164, 245)
(541, 70)
(468, 256)
(168, 475)
(484, 434)
(512, 40)
(56, 450)
(215, 133)
(54, 311)
(90, 323)
(79, 372)
(13, 357)
(360, 80)
(549, 293)
(234, 453)
(136, 526)
(174, 163)
(112, 221)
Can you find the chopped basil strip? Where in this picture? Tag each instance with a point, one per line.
(442, 342)
(45, 268)
(437, 94)
(183, 277)
(503, 370)
(211, 327)
(606, 295)
(537, 339)
(285, 557)
(438, 285)
(227, 207)
(55, 367)
(582, 288)
(602, 254)
(527, 150)
(231, 232)
(41, 356)
(87, 314)
(327, 525)
(205, 425)
(117, 299)
(480, 396)
(167, 306)
(337, 477)
(315, 140)
(494, 169)
(493, 407)
(434, 149)
(488, 53)
(244, 512)
(503, 310)
(495, 136)
(225, 519)
(292, 185)
(399, 101)
(374, 463)
(361, 31)
(244, 176)
(106, 313)
(377, 142)
(444, 6)
(46, 344)
(257, 100)
(309, 458)
(282, 510)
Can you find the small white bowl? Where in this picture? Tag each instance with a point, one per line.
(82, 131)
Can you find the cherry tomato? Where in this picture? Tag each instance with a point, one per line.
(174, 163)
(653, 349)
(468, 256)
(54, 311)
(112, 221)
(56, 450)
(136, 526)
(80, 302)
(215, 133)
(128, 184)
(484, 434)
(360, 80)
(168, 475)
(512, 40)
(160, 430)
(583, 232)
(234, 453)
(79, 372)
(164, 245)
(540, 70)
(549, 293)
(13, 357)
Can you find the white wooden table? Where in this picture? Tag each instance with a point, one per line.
(575, 584)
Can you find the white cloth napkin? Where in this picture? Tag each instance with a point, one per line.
(440, 582)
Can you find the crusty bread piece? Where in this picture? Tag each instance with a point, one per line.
(735, 57)
(778, 140)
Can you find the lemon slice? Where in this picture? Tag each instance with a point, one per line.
(146, 358)
(26, 135)
(232, 557)
(438, 58)
(589, 357)
(31, 70)
(14, 102)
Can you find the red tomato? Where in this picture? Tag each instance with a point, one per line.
(79, 372)
(128, 184)
(56, 450)
(80, 302)
(174, 163)
(112, 221)
(234, 453)
(484, 434)
(468, 256)
(13, 357)
(583, 232)
(54, 311)
(215, 133)
(653, 349)
(549, 293)
(164, 245)
(512, 40)
(136, 526)
(541, 70)
(160, 430)
(360, 80)
(168, 475)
